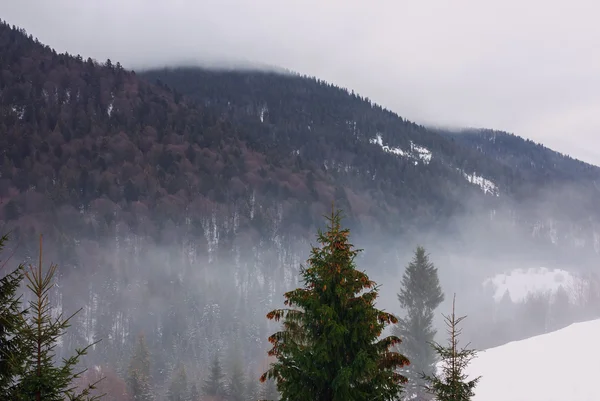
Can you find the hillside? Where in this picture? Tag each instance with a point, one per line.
(422, 175)
(531, 368)
(181, 203)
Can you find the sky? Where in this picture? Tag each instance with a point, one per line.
(527, 67)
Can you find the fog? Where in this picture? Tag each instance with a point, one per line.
(200, 296)
(524, 67)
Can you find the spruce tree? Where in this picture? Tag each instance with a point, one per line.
(13, 351)
(138, 375)
(252, 388)
(178, 389)
(214, 386)
(452, 384)
(330, 347)
(42, 379)
(194, 393)
(236, 389)
(419, 296)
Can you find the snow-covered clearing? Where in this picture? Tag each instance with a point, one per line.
(558, 366)
(521, 282)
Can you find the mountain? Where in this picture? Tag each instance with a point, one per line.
(420, 177)
(531, 369)
(180, 203)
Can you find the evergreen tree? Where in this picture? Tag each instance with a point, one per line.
(178, 389)
(194, 393)
(236, 390)
(138, 376)
(41, 378)
(329, 348)
(252, 388)
(419, 296)
(214, 386)
(451, 384)
(12, 348)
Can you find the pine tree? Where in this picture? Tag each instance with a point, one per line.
(419, 296)
(236, 390)
(214, 386)
(194, 393)
(329, 348)
(12, 349)
(138, 376)
(178, 389)
(451, 384)
(252, 388)
(41, 378)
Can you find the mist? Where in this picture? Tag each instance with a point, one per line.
(207, 295)
(528, 68)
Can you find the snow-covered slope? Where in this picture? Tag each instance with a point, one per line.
(558, 366)
(521, 282)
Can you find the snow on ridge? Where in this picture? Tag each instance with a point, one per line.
(416, 151)
(487, 186)
(378, 140)
(521, 282)
(423, 153)
(530, 366)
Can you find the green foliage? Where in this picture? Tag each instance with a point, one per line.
(329, 348)
(452, 384)
(12, 347)
(138, 376)
(419, 296)
(41, 378)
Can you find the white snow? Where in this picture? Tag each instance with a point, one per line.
(378, 140)
(109, 109)
(558, 366)
(487, 186)
(262, 112)
(416, 151)
(423, 153)
(521, 282)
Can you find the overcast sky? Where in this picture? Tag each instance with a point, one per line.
(530, 67)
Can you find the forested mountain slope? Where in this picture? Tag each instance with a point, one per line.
(183, 208)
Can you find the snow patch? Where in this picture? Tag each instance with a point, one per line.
(19, 111)
(378, 140)
(487, 186)
(262, 112)
(423, 153)
(530, 366)
(521, 282)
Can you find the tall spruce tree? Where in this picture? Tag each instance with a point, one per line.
(419, 296)
(138, 375)
(452, 384)
(41, 378)
(13, 350)
(330, 347)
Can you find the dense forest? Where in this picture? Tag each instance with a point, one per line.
(180, 203)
